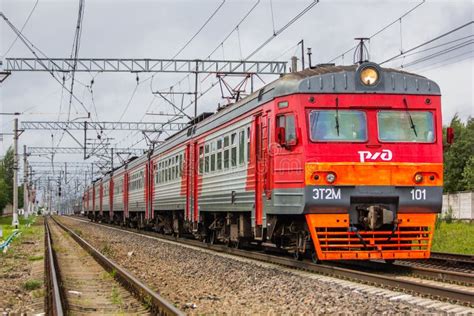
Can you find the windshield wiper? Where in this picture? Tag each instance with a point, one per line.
(412, 125)
(337, 116)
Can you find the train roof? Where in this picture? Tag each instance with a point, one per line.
(325, 78)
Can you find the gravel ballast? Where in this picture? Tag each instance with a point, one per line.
(202, 282)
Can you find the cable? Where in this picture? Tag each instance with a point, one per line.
(437, 46)
(225, 39)
(282, 29)
(75, 51)
(129, 102)
(442, 62)
(273, 18)
(199, 31)
(428, 42)
(31, 47)
(278, 32)
(442, 52)
(21, 30)
(286, 51)
(74, 54)
(381, 30)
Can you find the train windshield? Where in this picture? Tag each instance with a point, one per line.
(405, 126)
(337, 126)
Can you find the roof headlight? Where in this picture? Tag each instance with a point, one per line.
(369, 76)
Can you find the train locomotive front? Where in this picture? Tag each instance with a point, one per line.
(367, 142)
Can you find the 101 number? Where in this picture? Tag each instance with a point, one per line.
(418, 194)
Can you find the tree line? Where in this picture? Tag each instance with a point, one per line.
(459, 157)
(6, 182)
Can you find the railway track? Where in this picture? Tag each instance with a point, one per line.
(83, 281)
(453, 258)
(419, 268)
(420, 287)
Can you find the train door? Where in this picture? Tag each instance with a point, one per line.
(101, 198)
(195, 165)
(151, 188)
(189, 177)
(261, 169)
(147, 190)
(93, 198)
(111, 198)
(125, 195)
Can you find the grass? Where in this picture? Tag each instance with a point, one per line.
(35, 258)
(116, 297)
(454, 237)
(38, 293)
(78, 232)
(107, 251)
(31, 285)
(7, 228)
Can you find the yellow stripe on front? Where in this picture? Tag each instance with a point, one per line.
(374, 173)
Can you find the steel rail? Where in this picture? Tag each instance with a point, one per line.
(440, 274)
(54, 297)
(412, 267)
(431, 290)
(452, 257)
(158, 305)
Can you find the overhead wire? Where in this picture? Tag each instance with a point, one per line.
(427, 42)
(437, 46)
(21, 30)
(439, 53)
(200, 29)
(234, 29)
(74, 54)
(261, 46)
(266, 42)
(398, 19)
(206, 22)
(32, 48)
(443, 63)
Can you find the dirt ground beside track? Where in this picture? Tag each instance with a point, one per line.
(22, 287)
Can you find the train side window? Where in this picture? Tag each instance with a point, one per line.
(201, 159)
(241, 147)
(213, 162)
(233, 150)
(226, 159)
(233, 156)
(206, 164)
(248, 144)
(219, 160)
(288, 123)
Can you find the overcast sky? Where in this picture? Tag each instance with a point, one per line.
(158, 29)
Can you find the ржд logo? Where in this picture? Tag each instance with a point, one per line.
(385, 155)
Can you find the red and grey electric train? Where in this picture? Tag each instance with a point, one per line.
(341, 162)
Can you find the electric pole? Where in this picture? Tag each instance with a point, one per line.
(25, 183)
(15, 173)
